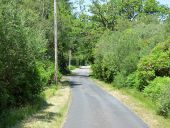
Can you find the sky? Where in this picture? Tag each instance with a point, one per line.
(165, 2)
(87, 2)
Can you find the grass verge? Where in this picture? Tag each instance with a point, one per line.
(42, 111)
(138, 103)
(73, 67)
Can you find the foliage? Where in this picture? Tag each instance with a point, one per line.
(99, 12)
(130, 7)
(26, 45)
(120, 52)
(108, 69)
(20, 46)
(151, 6)
(118, 38)
(132, 80)
(164, 107)
(155, 64)
(12, 116)
(72, 67)
(158, 90)
(119, 80)
(97, 70)
(133, 51)
(46, 72)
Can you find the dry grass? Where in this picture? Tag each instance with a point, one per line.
(53, 114)
(141, 106)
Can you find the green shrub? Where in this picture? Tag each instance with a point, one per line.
(156, 88)
(72, 67)
(155, 64)
(144, 78)
(46, 71)
(21, 44)
(159, 91)
(120, 51)
(104, 68)
(59, 76)
(109, 69)
(164, 106)
(97, 68)
(3, 98)
(119, 80)
(132, 80)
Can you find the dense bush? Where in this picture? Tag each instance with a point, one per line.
(27, 47)
(104, 70)
(132, 80)
(3, 97)
(109, 69)
(119, 80)
(158, 90)
(46, 71)
(97, 70)
(19, 46)
(164, 106)
(157, 63)
(118, 53)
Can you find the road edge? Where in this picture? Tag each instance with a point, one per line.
(67, 110)
(152, 120)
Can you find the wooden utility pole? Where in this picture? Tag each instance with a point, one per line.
(70, 59)
(55, 42)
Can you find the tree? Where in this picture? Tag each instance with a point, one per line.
(151, 6)
(26, 42)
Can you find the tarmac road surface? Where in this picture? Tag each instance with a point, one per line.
(92, 107)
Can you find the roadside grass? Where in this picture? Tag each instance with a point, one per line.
(16, 117)
(138, 103)
(72, 67)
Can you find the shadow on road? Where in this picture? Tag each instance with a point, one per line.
(79, 75)
(74, 84)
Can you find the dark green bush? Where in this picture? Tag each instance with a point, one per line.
(157, 63)
(20, 45)
(144, 78)
(132, 80)
(46, 71)
(3, 97)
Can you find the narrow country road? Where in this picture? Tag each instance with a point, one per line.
(91, 107)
